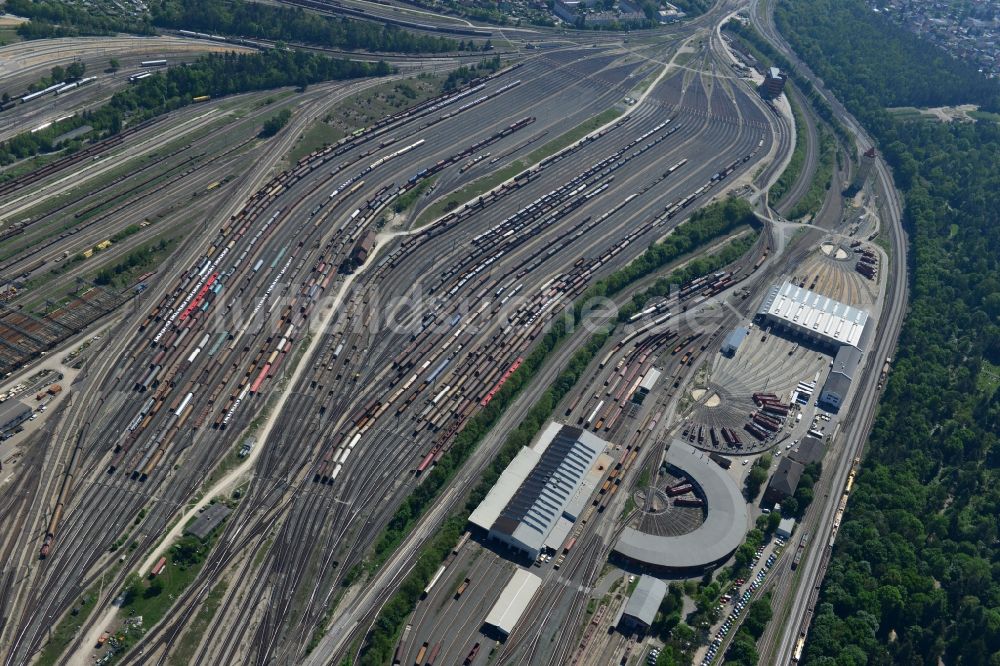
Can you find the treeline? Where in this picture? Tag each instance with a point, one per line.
(743, 648)
(908, 72)
(705, 225)
(274, 124)
(756, 477)
(822, 180)
(52, 18)
(72, 71)
(214, 75)
(292, 24)
(462, 75)
(138, 258)
(488, 11)
(767, 54)
(791, 507)
(915, 576)
(796, 162)
(56, 18)
(679, 639)
(29, 144)
(695, 268)
(230, 73)
(690, 7)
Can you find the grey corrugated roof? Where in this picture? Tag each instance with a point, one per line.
(725, 522)
(510, 480)
(535, 489)
(838, 384)
(208, 520)
(650, 379)
(10, 410)
(539, 501)
(815, 314)
(735, 338)
(846, 362)
(513, 601)
(645, 601)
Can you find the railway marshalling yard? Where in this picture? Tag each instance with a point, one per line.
(232, 325)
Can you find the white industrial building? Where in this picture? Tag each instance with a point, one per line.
(785, 528)
(822, 320)
(646, 385)
(540, 494)
(513, 601)
(814, 317)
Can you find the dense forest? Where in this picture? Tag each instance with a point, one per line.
(251, 19)
(230, 73)
(879, 64)
(53, 18)
(915, 575)
(214, 75)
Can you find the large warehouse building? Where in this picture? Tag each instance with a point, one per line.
(813, 317)
(539, 496)
(843, 329)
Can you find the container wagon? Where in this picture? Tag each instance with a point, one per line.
(462, 588)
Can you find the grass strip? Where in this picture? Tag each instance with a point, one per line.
(487, 183)
(404, 202)
(822, 180)
(67, 629)
(190, 639)
(365, 108)
(795, 165)
(147, 599)
(987, 116)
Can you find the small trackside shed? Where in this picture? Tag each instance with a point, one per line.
(13, 413)
(513, 601)
(734, 340)
(640, 610)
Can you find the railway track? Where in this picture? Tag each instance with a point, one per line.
(296, 248)
(62, 163)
